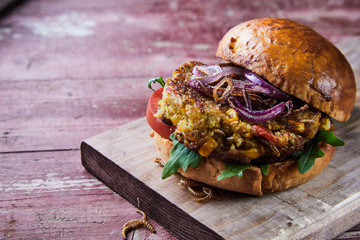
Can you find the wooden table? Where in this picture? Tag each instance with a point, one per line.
(70, 70)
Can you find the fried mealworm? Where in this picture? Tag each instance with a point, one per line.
(159, 161)
(209, 193)
(198, 194)
(206, 193)
(137, 223)
(148, 226)
(190, 183)
(215, 197)
(142, 213)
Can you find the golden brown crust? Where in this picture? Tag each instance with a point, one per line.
(295, 59)
(281, 176)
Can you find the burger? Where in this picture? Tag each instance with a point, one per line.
(260, 121)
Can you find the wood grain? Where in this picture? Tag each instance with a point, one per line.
(66, 111)
(58, 202)
(320, 209)
(119, 39)
(59, 87)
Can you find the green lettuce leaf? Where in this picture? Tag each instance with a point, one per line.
(237, 170)
(307, 159)
(232, 170)
(264, 169)
(328, 137)
(308, 155)
(180, 157)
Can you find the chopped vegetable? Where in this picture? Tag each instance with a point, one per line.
(256, 115)
(228, 83)
(207, 73)
(274, 92)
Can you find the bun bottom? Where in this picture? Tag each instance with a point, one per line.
(281, 176)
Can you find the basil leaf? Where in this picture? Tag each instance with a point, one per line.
(156, 80)
(264, 169)
(180, 157)
(308, 155)
(232, 170)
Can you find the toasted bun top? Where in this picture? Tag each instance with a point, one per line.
(296, 59)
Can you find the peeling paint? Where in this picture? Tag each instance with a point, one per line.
(16, 36)
(201, 46)
(52, 183)
(167, 44)
(72, 24)
(161, 44)
(4, 31)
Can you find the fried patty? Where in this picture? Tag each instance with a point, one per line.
(216, 130)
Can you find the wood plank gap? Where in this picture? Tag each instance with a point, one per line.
(349, 236)
(43, 150)
(50, 196)
(21, 199)
(147, 77)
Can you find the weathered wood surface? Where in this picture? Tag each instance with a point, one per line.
(320, 209)
(64, 66)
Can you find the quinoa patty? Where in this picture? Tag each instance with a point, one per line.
(216, 130)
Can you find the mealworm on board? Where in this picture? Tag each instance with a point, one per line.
(137, 223)
(207, 197)
(159, 161)
(198, 194)
(215, 197)
(206, 193)
(188, 182)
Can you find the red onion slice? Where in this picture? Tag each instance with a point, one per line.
(242, 84)
(252, 86)
(227, 91)
(206, 70)
(205, 77)
(232, 69)
(200, 87)
(274, 92)
(256, 116)
(247, 100)
(207, 73)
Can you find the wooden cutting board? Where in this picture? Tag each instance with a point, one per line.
(123, 158)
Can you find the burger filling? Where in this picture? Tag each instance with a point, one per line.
(222, 111)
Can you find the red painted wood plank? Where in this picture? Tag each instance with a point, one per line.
(59, 114)
(50, 195)
(117, 39)
(60, 86)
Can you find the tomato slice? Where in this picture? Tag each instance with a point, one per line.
(156, 124)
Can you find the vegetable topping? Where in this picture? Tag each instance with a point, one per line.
(231, 114)
(233, 83)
